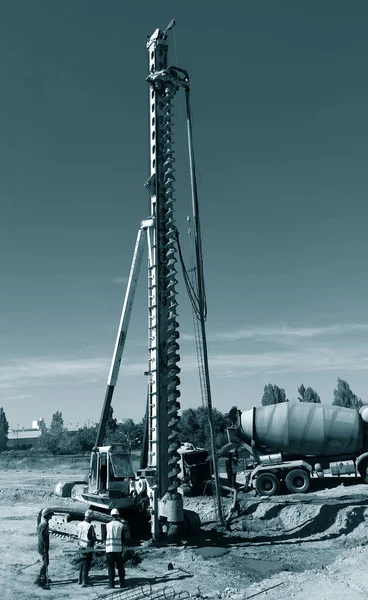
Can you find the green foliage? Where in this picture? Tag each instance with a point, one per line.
(83, 440)
(126, 432)
(111, 426)
(272, 394)
(57, 422)
(308, 395)
(4, 430)
(131, 433)
(301, 391)
(111, 421)
(194, 427)
(343, 396)
(59, 441)
(55, 440)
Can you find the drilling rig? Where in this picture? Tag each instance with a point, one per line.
(153, 490)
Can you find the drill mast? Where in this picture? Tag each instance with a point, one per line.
(160, 475)
(163, 326)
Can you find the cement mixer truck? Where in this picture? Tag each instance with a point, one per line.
(290, 443)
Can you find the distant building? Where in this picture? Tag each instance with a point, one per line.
(23, 439)
(39, 424)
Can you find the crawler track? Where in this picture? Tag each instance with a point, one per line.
(65, 520)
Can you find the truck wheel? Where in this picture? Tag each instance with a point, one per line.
(363, 469)
(297, 481)
(267, 484)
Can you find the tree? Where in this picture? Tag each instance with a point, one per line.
(4, 430)
(194, 427)
(308, 395)
(111, 425)
(130, 433)
(273, 395)
(343, 396)
(55, 440)
(301, 391)
(84, 439)
(57, 422)
(189, 426)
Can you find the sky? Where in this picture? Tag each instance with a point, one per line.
(279, 99)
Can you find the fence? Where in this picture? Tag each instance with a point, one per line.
(54, 464)
(73, 463)
(45, 463)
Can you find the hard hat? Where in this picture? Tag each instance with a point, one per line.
(115, 512)
(47, 512)
(89, 513)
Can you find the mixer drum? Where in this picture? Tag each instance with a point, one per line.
(302, 428)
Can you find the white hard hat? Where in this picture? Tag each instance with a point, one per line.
(115, 512)
(89, 513)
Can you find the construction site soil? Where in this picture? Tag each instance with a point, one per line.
(307, 547)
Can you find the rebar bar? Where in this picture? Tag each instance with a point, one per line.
(145, 592)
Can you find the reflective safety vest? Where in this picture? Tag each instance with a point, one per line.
(84, 543)
(114, 531)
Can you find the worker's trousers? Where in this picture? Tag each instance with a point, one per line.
(42, 578)
(231, 478)
(115, 559)
(85, 566)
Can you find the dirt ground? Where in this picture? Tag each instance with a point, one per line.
(306, 547)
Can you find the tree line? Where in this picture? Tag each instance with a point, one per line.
(193, 424)
(343, 395)
(58, 440)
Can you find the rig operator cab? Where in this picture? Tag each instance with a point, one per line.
(110, 478)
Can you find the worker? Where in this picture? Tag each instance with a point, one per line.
(43, 548)
(231, 469)
(234, 466)
(86, 541)
(117, 532)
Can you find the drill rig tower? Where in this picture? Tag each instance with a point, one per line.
(153, 490)
(160, 474)
(163, 326)
(111, 482)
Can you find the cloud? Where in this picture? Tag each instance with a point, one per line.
(279, 333)
(17, 397)
(268, 350)
(27, 373)
(186, 337)
(284, 349)
(119, 279)
(303, 361)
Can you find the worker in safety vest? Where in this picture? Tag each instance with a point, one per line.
(117, 532)
(86, 541)
(43, 547)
